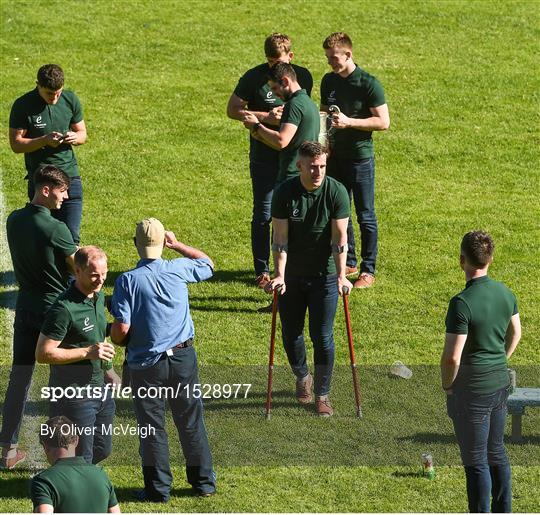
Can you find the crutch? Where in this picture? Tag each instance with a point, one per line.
(356, 384)
(271, 356)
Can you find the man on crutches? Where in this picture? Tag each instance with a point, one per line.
(310, 213)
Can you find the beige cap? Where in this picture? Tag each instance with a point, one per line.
(150, 238)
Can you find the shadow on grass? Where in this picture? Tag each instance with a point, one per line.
(14, 487)
(234, 276)
(127, 494)
(8, 299)
(527, 440)
(225, 303)
(7, 278)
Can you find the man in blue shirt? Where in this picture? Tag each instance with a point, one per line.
(150, 303)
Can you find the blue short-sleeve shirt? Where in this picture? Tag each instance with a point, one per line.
(153, 300)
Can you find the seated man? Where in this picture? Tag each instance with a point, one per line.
(71, 485)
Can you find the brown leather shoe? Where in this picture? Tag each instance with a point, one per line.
(323, 407)
(350, 270)
(303, 389)
(364, 281)
(262, 280)
(11, 458)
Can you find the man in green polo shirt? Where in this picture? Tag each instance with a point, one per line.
(72, 341)
(42, 251)
(299, 122)
(309, 216)
(362, 109)
(70, 485)
(253, 94)
(482, 332)
(44, 125)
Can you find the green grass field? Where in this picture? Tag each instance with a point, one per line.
(462, 82)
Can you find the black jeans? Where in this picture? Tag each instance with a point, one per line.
(479, 421)
(187, 411)
(26, 330)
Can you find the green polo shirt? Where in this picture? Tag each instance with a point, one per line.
(354, 95)
(32, 113)
(482, 311)
(301, 111)
(77, 321)
(254, 89)
(39, 245)
(309, 215)
(72, 485)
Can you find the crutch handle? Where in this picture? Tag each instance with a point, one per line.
(345, 290)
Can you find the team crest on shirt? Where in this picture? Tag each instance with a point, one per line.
(87, 325)
(268, 96)
(296, 215)
(37, 122)
(332, 98)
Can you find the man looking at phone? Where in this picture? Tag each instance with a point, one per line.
(44, 125)
(253, 95)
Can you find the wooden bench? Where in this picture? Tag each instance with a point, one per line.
(518, 400)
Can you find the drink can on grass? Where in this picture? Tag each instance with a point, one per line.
(427, 466)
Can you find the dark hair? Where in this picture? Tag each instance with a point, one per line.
(477, 247)
(60, 433)
(50, 175)
(86, 254)
(277, 44)
(311, 149)
(280, 70)
(50, 76)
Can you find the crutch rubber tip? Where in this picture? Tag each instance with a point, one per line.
(359, 413)
(267, 416)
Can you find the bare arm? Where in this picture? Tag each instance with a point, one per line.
(119, 332)
(190, 252)
(77, 134)
(44, 508)
(49, 352)
(20, 144)
(280, 227)
(277, 139)
(451, 358)
(114, 509)
(379, 121)
(513, 335)
(339, 239)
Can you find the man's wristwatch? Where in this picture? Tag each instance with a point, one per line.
(255, 127)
